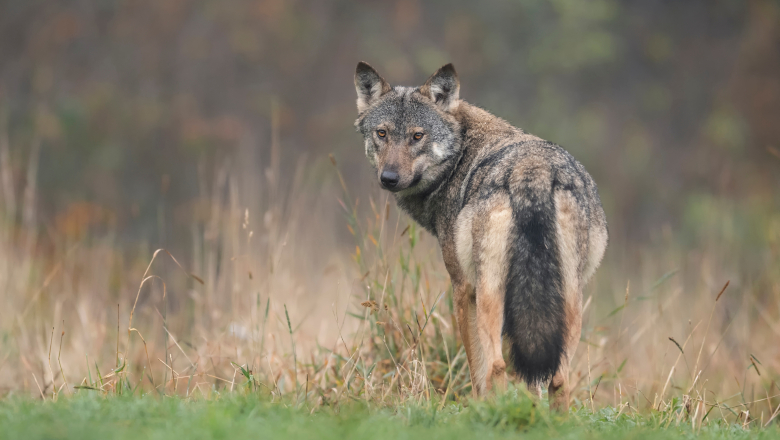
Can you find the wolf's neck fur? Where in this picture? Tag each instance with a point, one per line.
(436, 210)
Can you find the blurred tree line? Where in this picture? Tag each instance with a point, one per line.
(674, 107)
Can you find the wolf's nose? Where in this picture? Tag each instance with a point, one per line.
(389, 179)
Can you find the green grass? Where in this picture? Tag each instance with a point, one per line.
(234, 416)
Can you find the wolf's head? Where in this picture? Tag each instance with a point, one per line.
(411, 137)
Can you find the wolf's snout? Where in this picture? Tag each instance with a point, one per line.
(389, 179)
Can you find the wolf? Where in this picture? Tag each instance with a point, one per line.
(518, 219)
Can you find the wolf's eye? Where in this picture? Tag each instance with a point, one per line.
(417, 136)
(381, 133)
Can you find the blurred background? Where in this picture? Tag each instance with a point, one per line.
(126, 126)
(668, 104)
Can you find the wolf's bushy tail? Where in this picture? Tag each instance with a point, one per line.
(534, 305)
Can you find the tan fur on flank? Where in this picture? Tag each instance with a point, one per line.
(464, 244)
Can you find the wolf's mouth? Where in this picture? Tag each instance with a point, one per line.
(400, 186)
(393, 189)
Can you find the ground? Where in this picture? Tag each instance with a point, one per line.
(234, 416)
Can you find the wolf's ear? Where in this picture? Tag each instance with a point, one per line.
(443, 88)
(369, 85)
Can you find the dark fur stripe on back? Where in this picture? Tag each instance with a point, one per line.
(488, 161)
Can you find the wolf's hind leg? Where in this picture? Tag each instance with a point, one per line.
(569, 237)
(558, 390)
(490, 314)
(492, 235)
(559, 385)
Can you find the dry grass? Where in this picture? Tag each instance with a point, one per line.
(270, 301)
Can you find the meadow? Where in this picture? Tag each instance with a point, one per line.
(228, 342)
